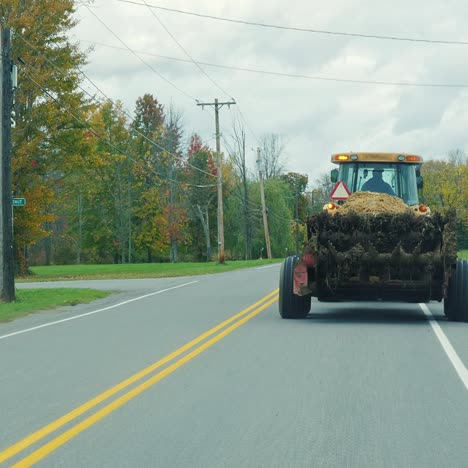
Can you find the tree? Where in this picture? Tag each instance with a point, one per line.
(321, 190)
(280, 218)
(272, 148)
(200, 175)
(297, 185)
(151, 230)
(446, 187)
(47, 133)
(105, 204)
(237, 157)
(177, 218)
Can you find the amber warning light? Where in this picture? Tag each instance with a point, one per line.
(413, 158)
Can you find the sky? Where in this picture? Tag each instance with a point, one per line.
(315, 118)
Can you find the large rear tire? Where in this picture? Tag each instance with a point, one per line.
(291, 306)
(456, 302)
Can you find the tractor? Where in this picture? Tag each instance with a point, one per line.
(375, 241)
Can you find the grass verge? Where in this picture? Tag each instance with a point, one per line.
(463, 254)
(32, 300)
(136, 270)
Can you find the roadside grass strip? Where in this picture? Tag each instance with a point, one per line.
(185, 354)
(138, 270)
(93, 312)
(32, 300)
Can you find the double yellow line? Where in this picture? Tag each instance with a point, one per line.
(219, 331)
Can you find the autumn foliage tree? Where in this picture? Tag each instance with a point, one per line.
(47, 133)
(446, 186)
(200, 175)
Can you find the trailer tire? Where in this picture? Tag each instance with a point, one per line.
(291, 306)
(456, 302)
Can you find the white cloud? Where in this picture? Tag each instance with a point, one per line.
(316, 118)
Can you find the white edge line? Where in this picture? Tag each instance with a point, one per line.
(457, 363)
(93, 311)
(268, 266)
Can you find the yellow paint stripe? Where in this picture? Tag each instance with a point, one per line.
(54, 444)
(58, 423)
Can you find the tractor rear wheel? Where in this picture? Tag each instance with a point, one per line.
(291, 306)
(456, 302)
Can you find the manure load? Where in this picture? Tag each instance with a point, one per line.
(370, 254)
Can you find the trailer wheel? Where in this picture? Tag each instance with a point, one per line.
(291, 306)
(456, 302)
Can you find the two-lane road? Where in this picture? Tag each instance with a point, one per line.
(202, 372)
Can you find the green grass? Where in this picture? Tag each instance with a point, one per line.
(32, 300)
(136, 270)
(463, 254)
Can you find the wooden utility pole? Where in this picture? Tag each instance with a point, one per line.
(297, 216)
(217, 105)
(7, 277)
(262, 194)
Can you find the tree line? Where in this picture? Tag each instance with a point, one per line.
(446, 187)
(106, 185)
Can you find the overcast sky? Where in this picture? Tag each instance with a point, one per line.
(315, 118)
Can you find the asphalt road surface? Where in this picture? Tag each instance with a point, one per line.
(202, 372)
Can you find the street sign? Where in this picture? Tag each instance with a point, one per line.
(19, 201)
(340, 191)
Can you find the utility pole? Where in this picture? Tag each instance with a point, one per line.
(217, 105)
(297, 216)
(7, 277)
(262, 194)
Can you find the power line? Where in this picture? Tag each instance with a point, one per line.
(297, 29)
(155, 71)
(187, 53)
(248, 126)
(306, 77)
(88, 127)
(139, 58)
(126, 113)
(152, 69)
(199, 66)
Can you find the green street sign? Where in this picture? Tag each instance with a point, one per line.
(19, 201)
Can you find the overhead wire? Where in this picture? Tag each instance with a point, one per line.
(151, 68)
(90, 128)
(125, 112)
(298, 29)
(139, 58)
(248, 126)
(184, 50)
(197, 64)
(306, 77)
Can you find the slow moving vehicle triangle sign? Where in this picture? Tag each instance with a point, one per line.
(340, 191)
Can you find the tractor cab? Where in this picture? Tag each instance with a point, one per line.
(390, 173)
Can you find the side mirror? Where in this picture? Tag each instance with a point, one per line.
(334, 175)
(419, 182)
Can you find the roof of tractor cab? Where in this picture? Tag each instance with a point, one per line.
(376, 157)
